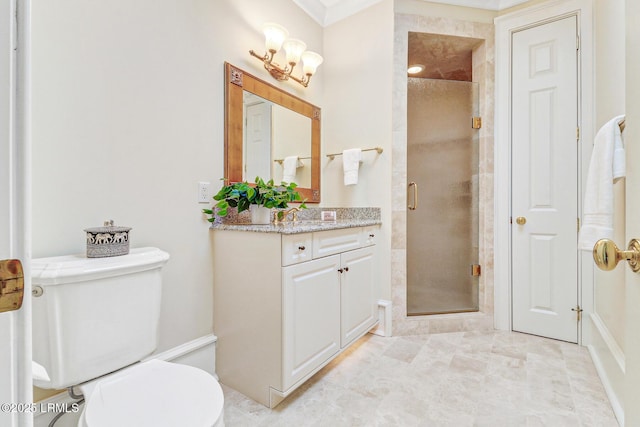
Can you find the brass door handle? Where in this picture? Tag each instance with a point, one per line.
(521, 220)
(607, 255)
(415, 196)
(11, 285)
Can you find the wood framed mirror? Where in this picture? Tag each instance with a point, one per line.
(263, 126)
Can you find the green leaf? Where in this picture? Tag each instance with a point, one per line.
(243, 205)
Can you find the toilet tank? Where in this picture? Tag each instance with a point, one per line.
(95, 315)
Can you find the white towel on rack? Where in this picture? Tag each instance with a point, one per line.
(351, 162)
(606, 167)
(289, 166)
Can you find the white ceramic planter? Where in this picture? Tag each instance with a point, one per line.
(260, 214)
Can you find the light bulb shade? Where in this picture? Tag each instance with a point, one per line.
(294, 49)
(310, 61)
(274, 35)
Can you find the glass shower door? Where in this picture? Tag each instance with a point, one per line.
(442, 215)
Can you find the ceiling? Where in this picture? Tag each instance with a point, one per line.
(443, 57)
(326, 12)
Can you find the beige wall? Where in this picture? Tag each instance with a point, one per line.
(128, 117)
(610, 101)
(357, 111)
(632, 353)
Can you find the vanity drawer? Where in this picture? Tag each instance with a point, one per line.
(296, 248)
(370, 235)
(331, 242)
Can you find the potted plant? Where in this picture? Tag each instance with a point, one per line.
(265, 195)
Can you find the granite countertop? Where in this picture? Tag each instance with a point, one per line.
(308, 221)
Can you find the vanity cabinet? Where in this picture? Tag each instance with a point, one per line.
(287, 304)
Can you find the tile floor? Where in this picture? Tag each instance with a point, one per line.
(454, 379)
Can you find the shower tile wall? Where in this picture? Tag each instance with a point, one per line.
(483, 74)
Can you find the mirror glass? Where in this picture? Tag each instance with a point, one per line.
(270, 133)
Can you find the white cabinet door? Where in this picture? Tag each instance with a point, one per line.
(311, 323)
(358, 304)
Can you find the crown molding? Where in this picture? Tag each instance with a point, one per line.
(327, 12)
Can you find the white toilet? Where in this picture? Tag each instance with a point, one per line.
(94, 319)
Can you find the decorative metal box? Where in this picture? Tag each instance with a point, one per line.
(108, 240)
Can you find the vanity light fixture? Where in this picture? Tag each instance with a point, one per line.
(276, 37)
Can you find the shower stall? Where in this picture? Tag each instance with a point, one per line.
(442, 194)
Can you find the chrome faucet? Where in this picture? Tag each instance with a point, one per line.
(281, 216)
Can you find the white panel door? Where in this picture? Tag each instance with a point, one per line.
(7, 347)
(358, 304)
(311, 323)
(15, 326)
(257, 133)
(544, 180)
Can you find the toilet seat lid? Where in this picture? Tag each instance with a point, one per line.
(156, 394)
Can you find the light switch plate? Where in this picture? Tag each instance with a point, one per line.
(204, 192)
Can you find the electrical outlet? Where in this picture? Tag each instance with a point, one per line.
(204, 192)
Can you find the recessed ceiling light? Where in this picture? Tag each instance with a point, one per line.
(415, 69)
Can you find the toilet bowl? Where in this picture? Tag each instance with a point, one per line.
(153, 394)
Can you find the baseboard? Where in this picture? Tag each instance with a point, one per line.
(199, 353)
(384, 319)
(609, 361)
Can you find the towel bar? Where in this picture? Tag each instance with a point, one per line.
(378, 149)
(279, 161)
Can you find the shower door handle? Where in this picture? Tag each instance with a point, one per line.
(415, 195)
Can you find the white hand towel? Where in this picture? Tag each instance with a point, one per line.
(351, 162)
(289, 166)
(607, 166)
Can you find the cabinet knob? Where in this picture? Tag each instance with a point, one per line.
(302, 248)
(340, 270)
(346, 269)
(372, 235)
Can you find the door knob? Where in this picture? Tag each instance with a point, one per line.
(521, 220)
(607, 255)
